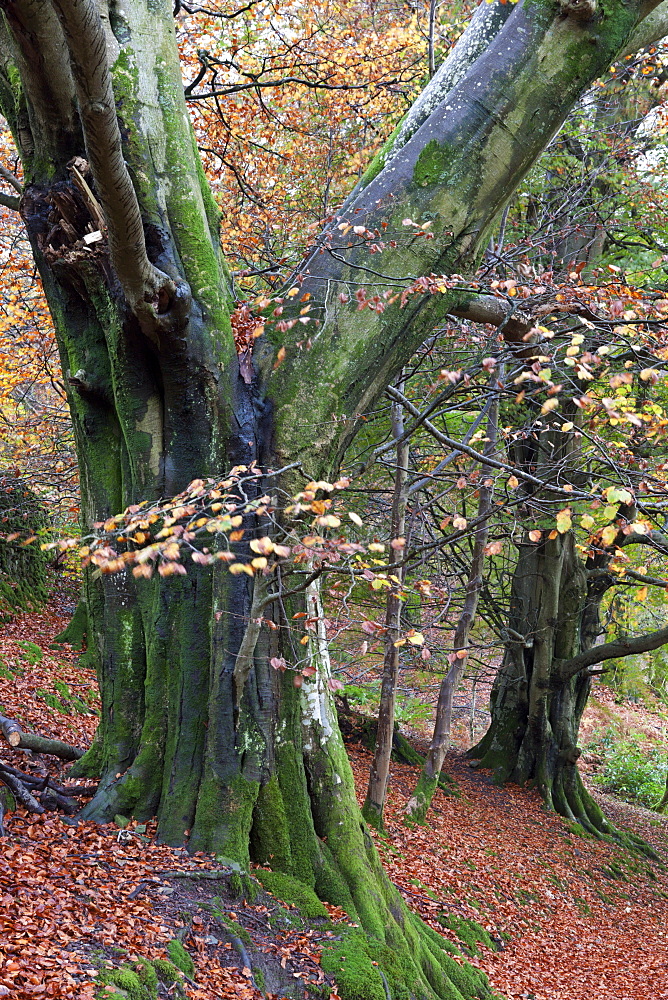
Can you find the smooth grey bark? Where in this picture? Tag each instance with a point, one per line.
(420, 800)
(652, 28)
(379, 775)
(455, 174)
(86, 43)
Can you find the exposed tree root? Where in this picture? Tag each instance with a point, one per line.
(563, 792)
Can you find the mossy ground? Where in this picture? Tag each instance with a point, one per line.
(141, 980)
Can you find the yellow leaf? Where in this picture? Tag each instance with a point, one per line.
(564, 521)
(280, 357)
(416, 640)
(641, 594)
(549, 404)
(329, 521)
(263, 546)
(236, 568)
(609, 534)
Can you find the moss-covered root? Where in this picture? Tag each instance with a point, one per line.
(140, 980)
(567, 795)
(414, 959)
(76, 633)
(90, 765)
(420, 800)
(413, 965)
(409, 961)
(291, 890)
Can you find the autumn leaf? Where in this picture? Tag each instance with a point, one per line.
(564, 521)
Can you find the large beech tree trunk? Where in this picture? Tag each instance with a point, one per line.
(93, 95)
(535, 719)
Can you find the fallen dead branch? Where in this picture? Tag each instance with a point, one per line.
(40, 792)
(15, 736)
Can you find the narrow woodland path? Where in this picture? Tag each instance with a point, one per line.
(573, 919)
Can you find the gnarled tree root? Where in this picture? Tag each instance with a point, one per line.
(563, 792)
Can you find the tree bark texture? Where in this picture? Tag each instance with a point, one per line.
(157, 400)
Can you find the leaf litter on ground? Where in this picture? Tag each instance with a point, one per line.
(568, 918)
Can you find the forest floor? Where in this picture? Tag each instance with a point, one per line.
(570, 918)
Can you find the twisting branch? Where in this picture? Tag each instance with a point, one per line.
(512, 322)
(143, 284)
(612, 650)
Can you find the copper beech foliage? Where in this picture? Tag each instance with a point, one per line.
(291, 101)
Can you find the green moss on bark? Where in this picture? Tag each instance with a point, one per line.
(421, 799)
(270, 835)
(469, 932)
(378, 162)
(349, 961)
(433, 165)
(291, 890)
(76, 633)
(225, 816)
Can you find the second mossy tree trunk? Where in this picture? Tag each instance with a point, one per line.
(536, 706)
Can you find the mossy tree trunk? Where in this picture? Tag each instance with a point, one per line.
(553, 617)
(535, 721)
(125, 234)
(543, 684)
